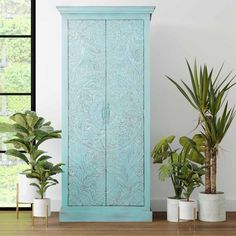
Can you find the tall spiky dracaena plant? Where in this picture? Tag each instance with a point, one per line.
(207, 94)
(30, 131)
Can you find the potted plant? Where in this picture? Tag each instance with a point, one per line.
(172, 161)
(207, 94)
(29, 132)
(191, 176)
(43, 172)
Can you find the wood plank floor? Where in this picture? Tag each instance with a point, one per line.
(10, 226)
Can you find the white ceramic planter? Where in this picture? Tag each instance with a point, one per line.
(40, 207)
(187, 210)
(27, 193)
(212, 207)
(172, 209)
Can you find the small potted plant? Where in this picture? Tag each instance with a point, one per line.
(43, 172)
(207, 94)
(172, 161)
(191, 176)
(29, 132)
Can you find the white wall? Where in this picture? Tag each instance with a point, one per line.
(204, 29)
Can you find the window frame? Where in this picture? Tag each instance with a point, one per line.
(32, 93)
(32, 36)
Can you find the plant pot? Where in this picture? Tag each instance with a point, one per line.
(187, 209)
(40, 207)
(26, 192)
(172, 209)
(212, 207)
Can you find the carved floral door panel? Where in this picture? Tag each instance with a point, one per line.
(125, 123)
(86, 141)
(106, 107)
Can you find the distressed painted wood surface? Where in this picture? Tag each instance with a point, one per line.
(125, 130)
(106, 113)
(86, 113)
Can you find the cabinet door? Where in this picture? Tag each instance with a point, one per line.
(125, 106)
(86, 109)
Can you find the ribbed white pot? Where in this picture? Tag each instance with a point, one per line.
(212, 207)
(40, 207)
(187, 209)
(172, 209)
(27, 193)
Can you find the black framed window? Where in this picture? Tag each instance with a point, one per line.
(17, 81)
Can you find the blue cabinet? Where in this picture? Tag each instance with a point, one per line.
(105, 114)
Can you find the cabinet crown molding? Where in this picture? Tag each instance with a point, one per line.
(106, 9)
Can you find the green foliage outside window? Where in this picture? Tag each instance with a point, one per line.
(14, 17)
(15, 77)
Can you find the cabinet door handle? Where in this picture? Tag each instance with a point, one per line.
(103, 112)
(108, 112)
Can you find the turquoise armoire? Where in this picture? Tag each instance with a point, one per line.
(105, 113)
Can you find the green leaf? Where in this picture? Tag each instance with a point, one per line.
(218, 74)
(196, 80)
(36, 185)
(19, 143)
(165, 172)
(162, 150)
(21, 129)
(15, 153)
(39, 134)
(192, 151)
(183, 92)
(47, 123)
(19, 118)
(31, 120)
(47, 137)
(44, 157)
(170, 139)
(39, 123)
(192, 79)
(36, 153)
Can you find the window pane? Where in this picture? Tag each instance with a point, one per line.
(12, 104)
(14, 17)
(15, 73)
(10, 167)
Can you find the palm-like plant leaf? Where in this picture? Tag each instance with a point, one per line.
(183, 92)
(217, 128)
